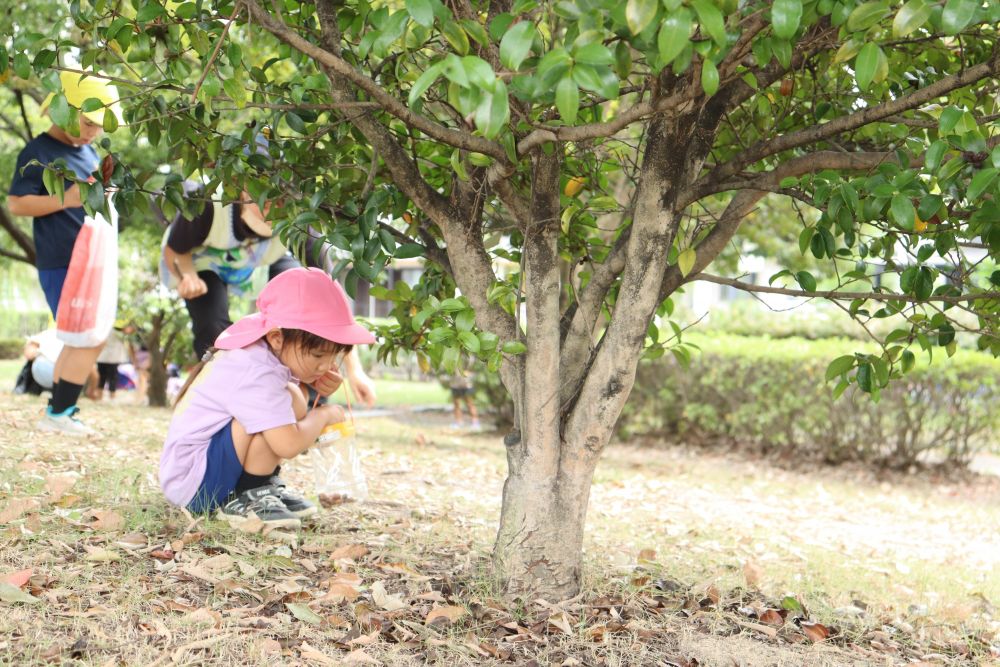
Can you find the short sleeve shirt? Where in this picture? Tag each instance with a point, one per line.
(249, 385)
(55, 233)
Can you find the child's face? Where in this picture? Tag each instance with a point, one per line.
(305, 364)
(89, 131)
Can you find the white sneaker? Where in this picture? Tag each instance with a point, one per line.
(65, 423)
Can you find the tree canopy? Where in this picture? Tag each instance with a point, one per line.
(604, 152)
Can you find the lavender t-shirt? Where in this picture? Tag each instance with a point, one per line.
(249, 385)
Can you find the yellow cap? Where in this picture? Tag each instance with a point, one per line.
(80, 87)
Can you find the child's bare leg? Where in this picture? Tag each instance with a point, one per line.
(253, 451)
(456, 410)
(471, 406)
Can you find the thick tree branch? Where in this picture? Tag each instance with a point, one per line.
(540, 406)
(578, 340)
(334, 63)
(846, 296)
(715, 242)
(853, 121)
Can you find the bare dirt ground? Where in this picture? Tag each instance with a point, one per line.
(692, 559)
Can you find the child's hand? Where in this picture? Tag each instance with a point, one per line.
(329, 383)
(71, 198)
(191, 286)
(332, 413)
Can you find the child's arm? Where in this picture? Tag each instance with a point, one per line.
(291, 440)
(37, 206)
(361, 384)
(299, 404)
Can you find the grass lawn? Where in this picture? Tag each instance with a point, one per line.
(9, 368)
(685, 554)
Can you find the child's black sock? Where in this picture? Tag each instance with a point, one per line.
(248, 481)
(64, 395)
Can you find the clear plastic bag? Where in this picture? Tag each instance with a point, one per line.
(336, 463)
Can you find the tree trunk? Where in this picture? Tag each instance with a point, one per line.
(157, 390)
(539, 546)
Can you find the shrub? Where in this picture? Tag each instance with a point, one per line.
(771, 396)
(11, 348)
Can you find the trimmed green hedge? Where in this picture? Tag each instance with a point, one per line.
(770, 395)
(11, 348)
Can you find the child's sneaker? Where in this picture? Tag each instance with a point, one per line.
(292, 500)
(259, 503)
(64, 422)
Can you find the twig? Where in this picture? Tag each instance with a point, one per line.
(215, 53)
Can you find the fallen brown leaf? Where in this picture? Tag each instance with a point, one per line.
(816, 632)
(18, 579)
(350, 551)
(753, 573)
(451, 614)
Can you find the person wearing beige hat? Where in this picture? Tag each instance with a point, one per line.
(57, 221)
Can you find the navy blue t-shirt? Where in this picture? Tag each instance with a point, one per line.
(55, 233)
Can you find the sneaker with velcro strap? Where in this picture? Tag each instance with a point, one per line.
(262, 504)
(292, 499)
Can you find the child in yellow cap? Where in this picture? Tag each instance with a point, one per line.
(57, 223)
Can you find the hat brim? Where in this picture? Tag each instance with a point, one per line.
(254, 327)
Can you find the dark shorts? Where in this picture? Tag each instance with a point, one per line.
(222, 471)
(52, 283)
(462, 392)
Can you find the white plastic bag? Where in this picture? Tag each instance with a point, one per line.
(88, 303)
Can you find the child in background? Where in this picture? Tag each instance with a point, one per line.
(57, 222)
(115, 353)
(242, 413)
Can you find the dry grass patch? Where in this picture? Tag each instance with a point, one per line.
(691, 560)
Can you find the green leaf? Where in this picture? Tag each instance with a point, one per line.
(235, 54)
(456, 37)
(595, 54)
(839, 366)
(22, 66)
(957, 15)
(924, 287)
(685, 261)
(980, 183)
(110, 123)
(864, 377)
(469, 341)
(424, 82)
(806, 281)
(639, 13)
(709, 77)
(910, 16)
(902, 212)
(422, 11)
(148, 12)
(949, 119)
(865, 65)
(59, 110)
(514, 347)
(465, 319)
(304, 613)
(805, 237)
(932, 159)
(408, 250)
(907, 361)
(785, 17)
(674, 33)
(499, 110)
(711, 20)
(866, 15)
(516, 44)
(10, 593)
(568, 99)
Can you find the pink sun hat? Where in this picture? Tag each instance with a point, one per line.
(306, 299)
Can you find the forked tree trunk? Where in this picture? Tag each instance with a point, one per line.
(539, 546)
